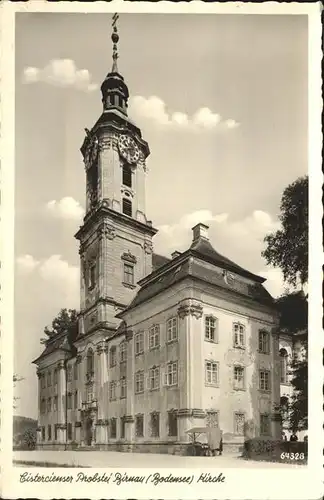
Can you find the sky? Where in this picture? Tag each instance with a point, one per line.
(222, 102)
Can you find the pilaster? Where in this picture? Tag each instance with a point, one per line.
(129, 418)
(61, 393)
(102, 379)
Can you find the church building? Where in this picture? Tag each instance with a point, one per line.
(163, 344)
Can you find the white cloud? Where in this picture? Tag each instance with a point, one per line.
(52, 277)
(154, 108)
(27, 263)
(275, 283)
(61, 73)
(240, 240)
(66, 208)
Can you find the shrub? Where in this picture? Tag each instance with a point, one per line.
(276, 450)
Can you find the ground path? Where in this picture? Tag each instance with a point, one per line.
(105, 459)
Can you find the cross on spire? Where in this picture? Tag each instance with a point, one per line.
(115, 38)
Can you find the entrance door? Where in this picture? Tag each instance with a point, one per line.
(88, 437)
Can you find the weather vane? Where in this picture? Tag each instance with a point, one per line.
(115, 38)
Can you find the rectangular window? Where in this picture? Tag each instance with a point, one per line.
(123, 388)
(139, 343)
(154, 378)
(171, 375)
(139, 425)
(239, 377)
(69, 373)
(127, 207)
(139, 382)
(113, 427)
(113, 356)
(239, 423)
(43, 406)
(55, 432)
(55, 376)
(69, 431)
(49, 405)
(127, 176)
(43, 382)
(122, 427)
(76, 400)
(210, 328)
(211, 373)
(239, 335)
(55, 403)
(69, 401)
(112, 391)
(123, 351)
(172, 424)
(129, 274)
(49, 432)
(264, 424)
(49, 379)
(43, 433)
(75, 370)
(212, 418)
(154, 337)
(264, 342)
(264, 380)
(172, 329)
(155, 424)
(92, 276)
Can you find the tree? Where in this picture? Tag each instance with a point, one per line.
(293, 310)
(65, 322)
(29, 438)
(287, 248)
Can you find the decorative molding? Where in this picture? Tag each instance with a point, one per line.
(78, 358)
(102, 348)
(148, 247)
(78, 424)
(61, 426)
(61, 365)
(128, 191)
(194, 412)
(128, 285)
(195, 310)
(106, 231)
(39, 374)
(129, 257)
(129, 419)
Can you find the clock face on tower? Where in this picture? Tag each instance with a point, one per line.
(128, 149)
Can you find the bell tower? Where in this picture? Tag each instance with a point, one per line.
(116, 235)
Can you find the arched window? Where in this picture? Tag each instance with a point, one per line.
(127, 176)
(283, 366)
(127, 207)
(284, 407)
(90, 361)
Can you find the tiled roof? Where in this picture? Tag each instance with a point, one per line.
(204, 249)
(160, 280)
(55, 344)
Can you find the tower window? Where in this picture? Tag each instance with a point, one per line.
(120, 101)
(127, 176)
(92, 275)
(127, 207)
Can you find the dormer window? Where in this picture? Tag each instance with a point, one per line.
(127, 176)
(127, 207)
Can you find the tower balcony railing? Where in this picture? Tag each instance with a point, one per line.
(89, 405)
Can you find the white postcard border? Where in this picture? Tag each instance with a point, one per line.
(274, 483)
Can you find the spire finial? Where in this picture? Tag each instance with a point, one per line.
(115, 38)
